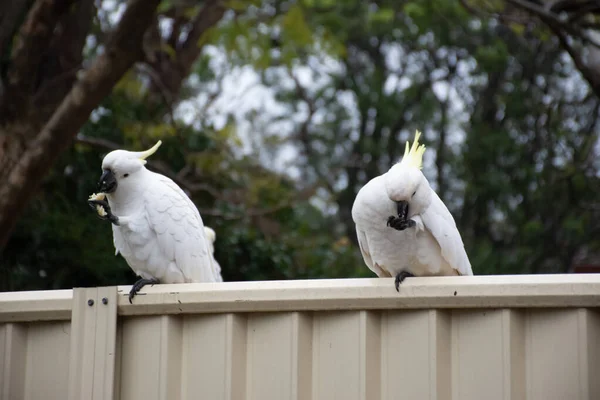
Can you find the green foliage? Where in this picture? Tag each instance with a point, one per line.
(513, 149)
(295, 29)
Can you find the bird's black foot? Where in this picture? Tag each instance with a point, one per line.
(104, 204)
(400, 277)
(400, 224)
(139, 285)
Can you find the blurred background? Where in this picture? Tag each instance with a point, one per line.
(273, 114)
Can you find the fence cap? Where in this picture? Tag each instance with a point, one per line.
(498, 291)
(482, 291)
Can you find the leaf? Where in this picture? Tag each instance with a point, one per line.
(237, 5)
(532, 229)
(227, 134)
(207, 36)
(160, 131)
(130, 86)
(191, 12)
(295, 28)
(169, 50)
(383, 15)
(517, 28)
(574, 225)
(164, 6)
(414, 10)
(209, 163)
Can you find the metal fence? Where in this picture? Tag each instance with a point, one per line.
(483, 337)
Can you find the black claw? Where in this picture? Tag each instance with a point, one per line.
(391, 219)
(109, 215)
(139, 285)
(400, 278)
(400, 224)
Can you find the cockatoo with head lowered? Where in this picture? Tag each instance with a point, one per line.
(156, 227)
(403, 227)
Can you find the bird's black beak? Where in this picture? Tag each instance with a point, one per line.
(107, 182)
(402, 207)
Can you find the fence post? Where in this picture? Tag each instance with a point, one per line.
(93, 341)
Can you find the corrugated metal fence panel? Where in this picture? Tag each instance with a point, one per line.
(506, 338)
(430, 354)
(34, 360)
(471, 354)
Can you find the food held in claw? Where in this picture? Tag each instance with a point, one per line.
(99, 209)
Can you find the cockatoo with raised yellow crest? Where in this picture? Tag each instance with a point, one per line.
(156, 227)
(403, 227)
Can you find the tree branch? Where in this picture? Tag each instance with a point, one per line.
(488, 14)
(549, 17)
(59, 66)
(10, 16)
(123, 49)
(174, 69)
(590, 75)
(303, 135)
(440, 157)
(209, 15)
(34, 37)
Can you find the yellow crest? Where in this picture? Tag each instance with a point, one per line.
(413, 156)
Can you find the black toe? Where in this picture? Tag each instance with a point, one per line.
(400, 278)
(139, 285)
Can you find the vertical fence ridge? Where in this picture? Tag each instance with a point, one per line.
(370, 355)
(593, 352)
(170, 348)
(13, 348)
(440, 325)
(513, 354)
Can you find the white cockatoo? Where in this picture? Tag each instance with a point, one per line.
(211, 236)
(422, 240)
(156, 227)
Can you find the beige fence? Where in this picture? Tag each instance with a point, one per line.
(484, 337)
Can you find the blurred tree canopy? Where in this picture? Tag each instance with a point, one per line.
(274, 113)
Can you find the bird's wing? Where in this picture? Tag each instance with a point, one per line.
(363, 213)
(179, 229)
(363, 243)
(217, 270)
(211, 237)
(136, 249)
(438, 220)
(358, 208)
(364, 248)
(119, 242)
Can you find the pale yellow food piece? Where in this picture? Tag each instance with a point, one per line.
(99, 209)
(97, 196)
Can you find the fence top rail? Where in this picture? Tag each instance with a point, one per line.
(39, 305)
(498, 291)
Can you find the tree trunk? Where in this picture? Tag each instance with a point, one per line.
(28, 148)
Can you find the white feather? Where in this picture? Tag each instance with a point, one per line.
(161, 234)
(211, 236)
(432, 247)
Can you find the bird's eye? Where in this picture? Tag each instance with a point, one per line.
(125, 176)
(415, 192)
